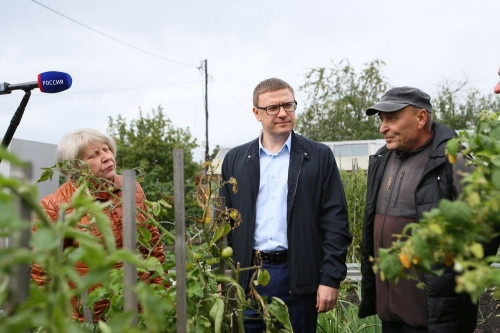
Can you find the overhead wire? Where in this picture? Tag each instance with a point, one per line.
(111, 37)
(134, 88)
(132, 47)
(229, 94)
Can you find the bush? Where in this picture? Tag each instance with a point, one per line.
(355, 190)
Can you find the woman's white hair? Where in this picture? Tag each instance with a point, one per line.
(73, 145)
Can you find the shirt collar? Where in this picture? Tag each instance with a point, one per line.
(287, 145)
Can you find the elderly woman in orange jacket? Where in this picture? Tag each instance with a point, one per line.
(98, 151)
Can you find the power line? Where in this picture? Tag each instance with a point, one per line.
(229, 94)
(111, 37)
(134, 48)
(131, 88)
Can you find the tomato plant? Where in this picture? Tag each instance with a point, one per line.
(215, 300)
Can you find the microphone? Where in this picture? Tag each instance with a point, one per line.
(48, 82)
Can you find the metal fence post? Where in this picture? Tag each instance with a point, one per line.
(129, 242)
(180, 240)
(19, 282)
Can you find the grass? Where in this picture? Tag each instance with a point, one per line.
(344, 317)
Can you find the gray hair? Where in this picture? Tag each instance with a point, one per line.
(428, 123)
(73, 145)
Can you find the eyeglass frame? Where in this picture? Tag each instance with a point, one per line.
(282, 105)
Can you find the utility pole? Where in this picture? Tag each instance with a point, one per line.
(207, 156)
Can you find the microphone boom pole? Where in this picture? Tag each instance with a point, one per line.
(16, 119)
(48, 82)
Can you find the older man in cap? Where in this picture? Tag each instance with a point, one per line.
(407, 177)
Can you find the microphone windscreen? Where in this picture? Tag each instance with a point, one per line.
(54, 82)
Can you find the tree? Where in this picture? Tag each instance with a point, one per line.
(337, 98)
(147, 144)
(458, 104)
(215, 151)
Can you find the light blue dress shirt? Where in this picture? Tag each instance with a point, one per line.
(271, 224)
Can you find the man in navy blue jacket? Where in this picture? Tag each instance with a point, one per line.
(294, 212)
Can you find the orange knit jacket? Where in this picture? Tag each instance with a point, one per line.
(52, 203)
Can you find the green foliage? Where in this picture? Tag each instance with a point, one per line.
(458, 105)
(337, 98)
(215, 300)
(344, 317)
(455, 233)
(48, 307)
(355, 190)
(214, 153)
(147, 144)
(210, 233)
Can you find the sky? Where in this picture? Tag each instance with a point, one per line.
(127, 55)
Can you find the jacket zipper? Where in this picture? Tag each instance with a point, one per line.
(399, 189)
(383, 222)
(288, 218)
(388, 205)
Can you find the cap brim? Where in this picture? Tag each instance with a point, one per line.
(385, 107)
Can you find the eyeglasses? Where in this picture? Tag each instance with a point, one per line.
(275, 109)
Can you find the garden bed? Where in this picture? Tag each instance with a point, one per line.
(488, 319)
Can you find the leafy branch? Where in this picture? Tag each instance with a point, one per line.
(456, 233)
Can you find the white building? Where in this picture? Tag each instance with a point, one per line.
(354, 154)
(40, 155)
(348, 154)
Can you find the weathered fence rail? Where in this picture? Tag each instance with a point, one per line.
(18, 290)
(129, 242)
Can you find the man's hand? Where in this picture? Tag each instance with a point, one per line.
(326, 298)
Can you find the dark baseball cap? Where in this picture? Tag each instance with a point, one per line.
(397, 98)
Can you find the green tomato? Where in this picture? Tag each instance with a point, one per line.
(227, 252)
